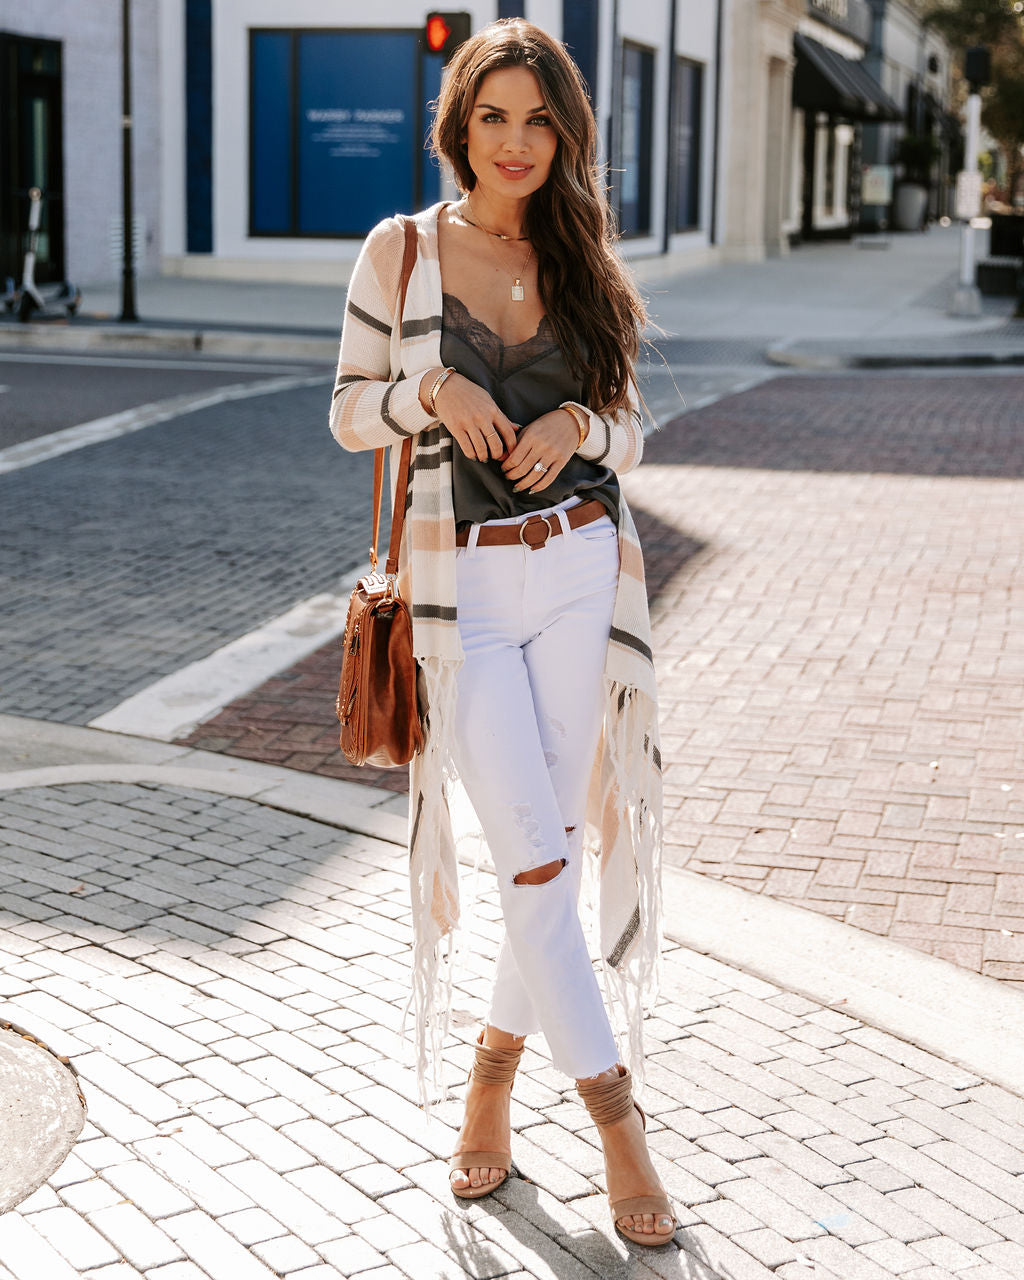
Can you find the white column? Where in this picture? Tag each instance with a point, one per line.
(967, 299)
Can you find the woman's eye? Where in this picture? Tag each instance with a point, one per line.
(491, 117)
(541, 120)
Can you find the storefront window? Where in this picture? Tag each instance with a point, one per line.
(337, 120)
(633, 193)
(688, 99)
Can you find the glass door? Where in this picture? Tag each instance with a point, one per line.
(31, 153)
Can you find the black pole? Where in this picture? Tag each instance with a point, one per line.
(613, 120)
(128, 312)
(672, 158)
(717, 132)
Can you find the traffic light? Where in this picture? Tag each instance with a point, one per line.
(444, 32)
(978, 67)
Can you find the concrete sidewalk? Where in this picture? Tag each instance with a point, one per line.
(223, 950)
(824, 305)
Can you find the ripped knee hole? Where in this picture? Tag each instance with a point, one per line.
(540, 875)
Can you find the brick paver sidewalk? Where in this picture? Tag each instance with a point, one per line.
(229, 981)
(840, 663)
(837, 597)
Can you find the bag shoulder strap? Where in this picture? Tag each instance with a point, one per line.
(398, 515)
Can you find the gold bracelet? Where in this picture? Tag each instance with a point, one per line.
(580, 420)
(439, 382)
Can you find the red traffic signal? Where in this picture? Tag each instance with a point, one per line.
(438, 32)
(444, 32)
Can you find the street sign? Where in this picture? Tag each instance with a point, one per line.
(876, 186)
(978, 67)
(968, 194)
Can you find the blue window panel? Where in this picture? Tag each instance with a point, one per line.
(579, 31)
(271, 142)
(430, 170)
(357, 129)
(510, 8)
(199, 126)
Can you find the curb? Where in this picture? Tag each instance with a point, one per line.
(131, 338)
(33, 753)
(321, 803)
(795, 358)
(962, 1017)
(324, 350)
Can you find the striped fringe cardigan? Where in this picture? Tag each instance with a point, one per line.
(376, 403)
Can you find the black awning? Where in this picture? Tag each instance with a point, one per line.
(826, 81)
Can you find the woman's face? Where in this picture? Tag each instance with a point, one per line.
(510, 140)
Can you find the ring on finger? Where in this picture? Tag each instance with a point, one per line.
(539, 466)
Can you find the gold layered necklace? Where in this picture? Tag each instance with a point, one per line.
(518, 292)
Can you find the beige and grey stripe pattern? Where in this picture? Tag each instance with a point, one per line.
(376, 403)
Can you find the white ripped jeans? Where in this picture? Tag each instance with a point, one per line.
(534, 627)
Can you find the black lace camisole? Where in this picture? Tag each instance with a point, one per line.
(525, 380)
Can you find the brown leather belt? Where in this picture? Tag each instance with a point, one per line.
(533, 533)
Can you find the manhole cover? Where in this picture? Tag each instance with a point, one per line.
(41, 1113)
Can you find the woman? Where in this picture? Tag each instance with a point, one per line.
(511, 366)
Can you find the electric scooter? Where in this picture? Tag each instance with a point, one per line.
(51, 300)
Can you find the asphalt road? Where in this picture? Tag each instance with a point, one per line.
(125, 560)
(48, 391)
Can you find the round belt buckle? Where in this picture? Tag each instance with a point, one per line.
(535, 546)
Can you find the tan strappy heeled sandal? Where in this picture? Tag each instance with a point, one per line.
(609, 1100)
(490, 1066)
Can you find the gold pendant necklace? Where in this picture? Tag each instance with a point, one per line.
(518, 291)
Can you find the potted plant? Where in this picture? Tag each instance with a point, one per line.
(916, 153)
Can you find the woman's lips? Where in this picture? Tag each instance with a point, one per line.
(514, 172)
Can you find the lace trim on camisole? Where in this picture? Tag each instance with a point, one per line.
(503, 359)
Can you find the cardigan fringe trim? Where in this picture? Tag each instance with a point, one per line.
(433, 878)
(631, 838)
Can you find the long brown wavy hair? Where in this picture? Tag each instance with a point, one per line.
(591, 301)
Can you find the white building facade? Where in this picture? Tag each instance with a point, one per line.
(288, 131)
(269, 138)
